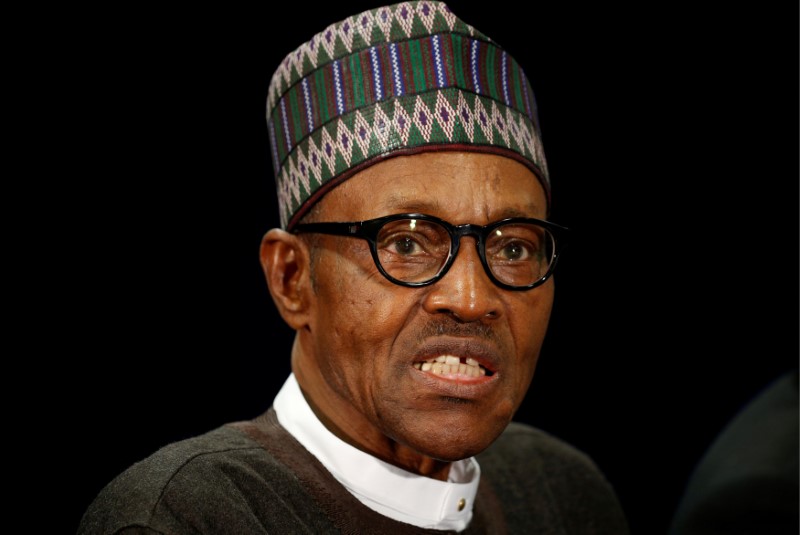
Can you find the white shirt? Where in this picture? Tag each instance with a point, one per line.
(385, 488)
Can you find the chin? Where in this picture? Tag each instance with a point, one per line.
(450, 442)
(457, 452)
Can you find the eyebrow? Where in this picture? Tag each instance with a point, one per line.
(402, 203)
(515, 212)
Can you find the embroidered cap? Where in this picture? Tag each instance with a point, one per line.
(399, 79)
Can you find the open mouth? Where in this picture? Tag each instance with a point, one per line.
(452, 366)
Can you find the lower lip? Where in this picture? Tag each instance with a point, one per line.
(457, 386)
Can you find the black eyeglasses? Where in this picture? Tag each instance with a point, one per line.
(417, 249)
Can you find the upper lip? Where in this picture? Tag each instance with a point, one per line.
(485, 353)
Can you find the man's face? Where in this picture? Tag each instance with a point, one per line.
(361, 351)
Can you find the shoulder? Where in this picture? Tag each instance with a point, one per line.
(547, 478)
(533, 446)
(184, 483)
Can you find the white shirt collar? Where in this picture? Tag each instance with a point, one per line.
(385, 488)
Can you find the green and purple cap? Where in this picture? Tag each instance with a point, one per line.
(400, 79)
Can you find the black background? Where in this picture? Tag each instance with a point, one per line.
(671, 132)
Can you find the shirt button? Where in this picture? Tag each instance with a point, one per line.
(461, 504)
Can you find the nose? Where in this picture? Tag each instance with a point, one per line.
(465, 292)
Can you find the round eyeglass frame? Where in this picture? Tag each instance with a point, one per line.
(368, 230)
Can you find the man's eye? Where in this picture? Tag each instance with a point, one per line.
(514, 251)
(406, 246)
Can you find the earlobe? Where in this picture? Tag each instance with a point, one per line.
(285, 262)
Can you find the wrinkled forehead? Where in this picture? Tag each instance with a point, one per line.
(403, 79)
(461, 187)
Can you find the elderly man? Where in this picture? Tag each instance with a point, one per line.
(415, 264)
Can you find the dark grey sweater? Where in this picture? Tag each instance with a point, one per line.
(254, 477)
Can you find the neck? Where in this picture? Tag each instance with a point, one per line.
(386, 450)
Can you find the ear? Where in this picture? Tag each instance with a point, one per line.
(286, 263)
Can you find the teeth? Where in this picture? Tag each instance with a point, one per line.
(452, 365)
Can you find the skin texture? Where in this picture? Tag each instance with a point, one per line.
(358, 335)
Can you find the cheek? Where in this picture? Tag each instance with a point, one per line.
(358, 362)
(360, 315)
(365, 313)
(364, 306)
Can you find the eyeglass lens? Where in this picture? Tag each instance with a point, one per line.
(415, 251)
